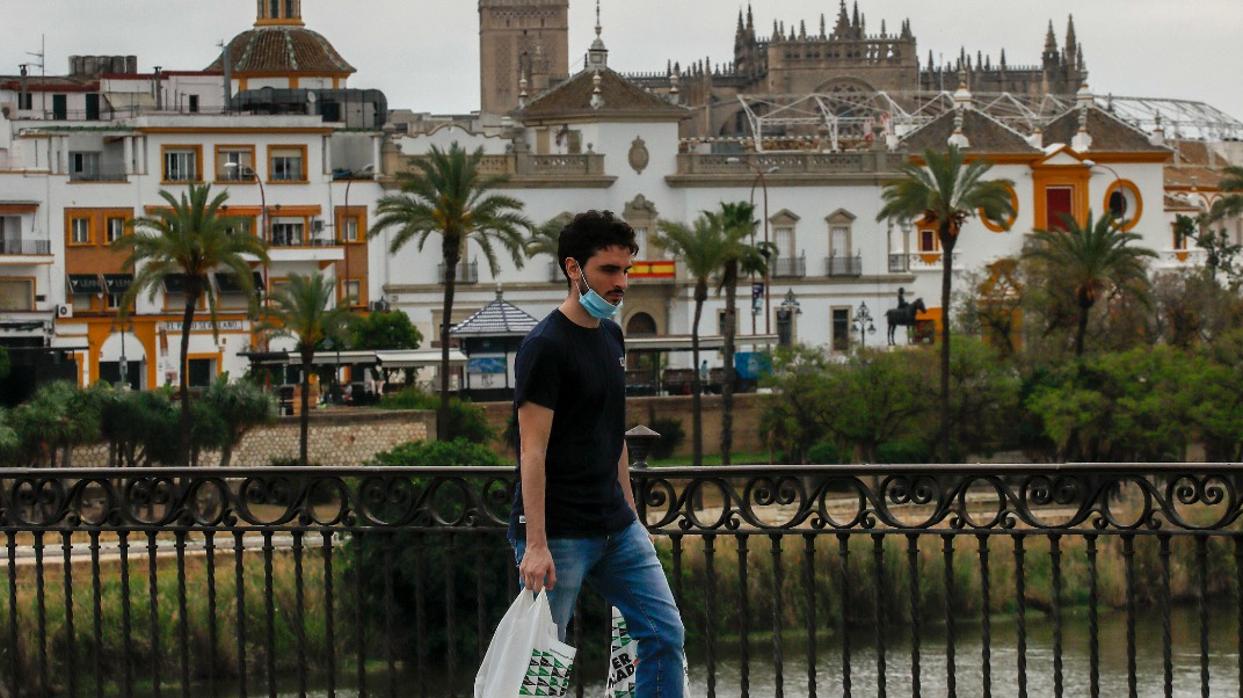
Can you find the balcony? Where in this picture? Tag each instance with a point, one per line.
(788, 268)
(789, 165)
(291, 248)
(903, 262)
(467, 273)
(21, 247)
(1180, 259)
(909, 549)
(845, 265)
(101, 176)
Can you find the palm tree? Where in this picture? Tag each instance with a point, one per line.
(448, 196)
(304, 308)
(1231, 202)
(188, 240)
(1092, 258)
(545, 237)
(947, 192)
(742, 258)
(702, 249)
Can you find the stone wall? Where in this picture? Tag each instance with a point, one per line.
(645, 410)
(337, 438)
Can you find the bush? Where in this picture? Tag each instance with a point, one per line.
(458, 452)
(671, 436)
(903, 451)
(826, 453)
(466, 420)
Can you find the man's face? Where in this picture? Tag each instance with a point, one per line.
(607, 273)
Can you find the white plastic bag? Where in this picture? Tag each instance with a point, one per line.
(623, 661)
(525, 658)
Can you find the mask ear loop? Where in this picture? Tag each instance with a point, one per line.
(582, 276)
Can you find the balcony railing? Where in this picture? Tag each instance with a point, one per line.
(105, 175)
(295, 241)
(788, 268)
(916, 261)
(844, 265)
(25, 247)
(746, 164)
(992, 579)
(1190, 257)
(467, 273)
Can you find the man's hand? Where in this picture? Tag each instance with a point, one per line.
(537, 569)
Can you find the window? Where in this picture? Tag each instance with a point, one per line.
(784, 238)
(289, 8)
(287, 233)
(114, 229)
(80, 231)
(351, 229)
(181, 165)
(1180, 239)
(274, 9)
(720, 322)
(841, 329)
(241, 226)
(287, 165)
(928, 240)
(17, 294)
(25, 100)
(194, 104)
(1124, 203)
(1058, 206)
(839, 241)
(235, 163)
(83, 165)
(353, 290)
(200, 372)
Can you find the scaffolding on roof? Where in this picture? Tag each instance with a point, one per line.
(859, 117)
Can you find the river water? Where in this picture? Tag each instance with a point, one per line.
(1223, 661)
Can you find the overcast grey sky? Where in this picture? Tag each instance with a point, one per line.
(424, 53)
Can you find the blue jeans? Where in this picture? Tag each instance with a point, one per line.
(624, 569)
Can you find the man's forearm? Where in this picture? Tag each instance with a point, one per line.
(533, 485)
(623, 477)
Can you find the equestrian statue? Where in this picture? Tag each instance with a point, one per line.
(904, 314)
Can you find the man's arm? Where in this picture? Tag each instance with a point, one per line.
(534, 426)
(623, 476)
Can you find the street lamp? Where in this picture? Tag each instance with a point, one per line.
(1091, 165)
(862, 323)
(264, 233)
(348, 181)
(785, 319)
(762, 182)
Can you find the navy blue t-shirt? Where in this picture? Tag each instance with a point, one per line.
(580, 374)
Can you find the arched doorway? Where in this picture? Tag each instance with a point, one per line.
(642, 368)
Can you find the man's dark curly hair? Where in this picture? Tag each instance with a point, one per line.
(592, 231)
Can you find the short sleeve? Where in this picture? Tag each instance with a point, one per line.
(538, 374)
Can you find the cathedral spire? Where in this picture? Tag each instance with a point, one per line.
(1071, 42)
(842, 28)
(750, 19)
(822, 25)
(854, 21)
(741, 26)
(1051, 56)
(883, 33)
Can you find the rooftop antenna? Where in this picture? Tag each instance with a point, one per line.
(42, 56)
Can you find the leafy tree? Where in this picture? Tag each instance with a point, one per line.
(456, 453)
(449, 197)
(466, 420)
(1190, 308)
(1096, 258)
(947, 192)
(188, 240)
(741, 258)
(304, 308)
(240, 406)
(874, 398)
(384, 330)
(10, 442)
(793, 417)
(1230, 204)
(984, 396)
(545, 238)
(58, 417)
(5, 364)
(1217, 401)
(140, 427)
(702, 248)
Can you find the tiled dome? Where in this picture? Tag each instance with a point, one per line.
(283, 49)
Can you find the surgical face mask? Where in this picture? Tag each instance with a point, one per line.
(595, 304)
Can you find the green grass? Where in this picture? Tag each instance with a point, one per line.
(712, 459)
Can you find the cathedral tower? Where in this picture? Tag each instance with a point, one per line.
(517, 39)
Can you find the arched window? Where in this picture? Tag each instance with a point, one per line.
(274, 9)
(1124, 203)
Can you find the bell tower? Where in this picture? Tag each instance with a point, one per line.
(278, 13)
(521, 39)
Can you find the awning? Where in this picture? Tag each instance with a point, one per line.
(85, 284)
(118, 283)
(175, 283)
(683, 342)
(418, 357)
(228, 283)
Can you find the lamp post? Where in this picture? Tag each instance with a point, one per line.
(124, 367)
(763, 183)
(1091, 165)
(248, 171)
(863, 324)
(785, 318)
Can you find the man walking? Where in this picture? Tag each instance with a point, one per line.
(573, 517)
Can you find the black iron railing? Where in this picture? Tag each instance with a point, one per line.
(789, 268)
(843, 265)
(815, 580)
(467, 273)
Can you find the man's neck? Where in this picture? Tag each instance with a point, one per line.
(574, 310)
